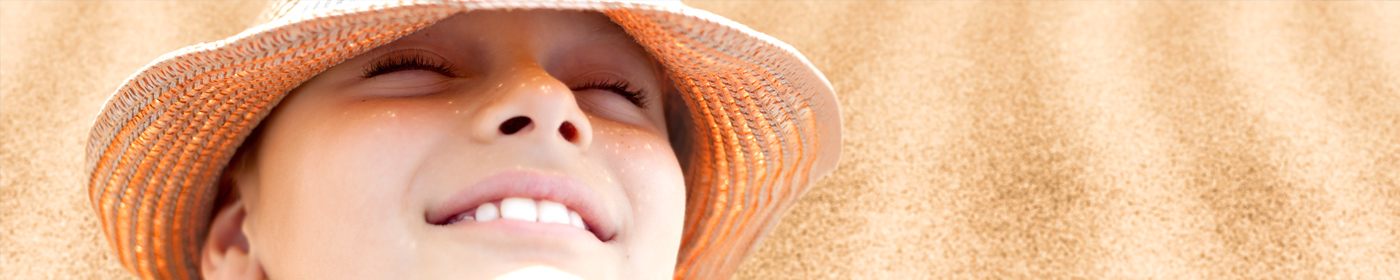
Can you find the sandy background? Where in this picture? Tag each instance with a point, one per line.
(983, 140)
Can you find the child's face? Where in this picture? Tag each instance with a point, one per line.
(360, 171)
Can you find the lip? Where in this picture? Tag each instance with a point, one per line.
(568, 191)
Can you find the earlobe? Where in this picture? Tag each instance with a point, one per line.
(225, 254)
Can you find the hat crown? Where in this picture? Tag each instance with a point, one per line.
(292, 9)
(284, 9)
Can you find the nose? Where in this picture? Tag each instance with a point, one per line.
(529, 104)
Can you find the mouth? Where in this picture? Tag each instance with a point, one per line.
(520, 209)
(525, 197)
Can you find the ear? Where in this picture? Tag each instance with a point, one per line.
(225, 254)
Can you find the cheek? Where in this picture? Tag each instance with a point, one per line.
(357, 153)
(327, 180)
(655, 188)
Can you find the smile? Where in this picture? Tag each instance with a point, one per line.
(522, 209)
(528, 198)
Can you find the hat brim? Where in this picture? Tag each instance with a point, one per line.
(765, 123)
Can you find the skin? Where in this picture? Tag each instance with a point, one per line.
(338, 183)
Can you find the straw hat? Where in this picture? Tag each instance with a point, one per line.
(766, 121)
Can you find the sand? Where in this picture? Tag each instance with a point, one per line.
(984, 140)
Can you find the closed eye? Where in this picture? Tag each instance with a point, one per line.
(619, 87)
(405, 61)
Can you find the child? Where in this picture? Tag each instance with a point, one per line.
(431, 140)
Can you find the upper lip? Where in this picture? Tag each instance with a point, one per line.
(564, 190)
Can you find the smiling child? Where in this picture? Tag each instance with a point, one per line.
(461, 140)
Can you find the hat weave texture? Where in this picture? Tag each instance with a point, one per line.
(766, 123)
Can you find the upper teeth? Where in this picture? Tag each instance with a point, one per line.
(524, 209)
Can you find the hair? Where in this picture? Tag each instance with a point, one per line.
(227, 184)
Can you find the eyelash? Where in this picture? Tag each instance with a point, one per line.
(418, 62)
(405, 63)
(617, 86)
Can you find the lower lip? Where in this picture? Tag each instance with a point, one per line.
(524, 229)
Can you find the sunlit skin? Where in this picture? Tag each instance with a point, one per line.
(347, 173)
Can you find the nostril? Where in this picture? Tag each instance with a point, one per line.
(569, 131)
(514, 125)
